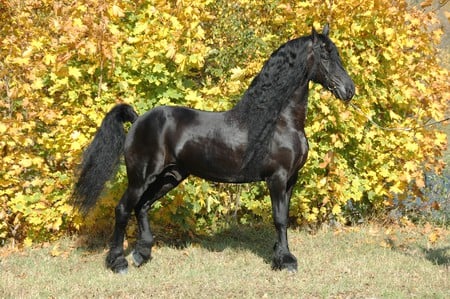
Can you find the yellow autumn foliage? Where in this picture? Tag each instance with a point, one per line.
(65, 64)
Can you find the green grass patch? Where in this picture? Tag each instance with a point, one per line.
(360, 262)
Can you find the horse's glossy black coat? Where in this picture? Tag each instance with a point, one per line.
(261, 139)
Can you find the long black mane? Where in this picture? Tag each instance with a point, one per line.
(270, 92)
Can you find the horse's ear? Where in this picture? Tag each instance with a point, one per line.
(326, 29)
(314, 35)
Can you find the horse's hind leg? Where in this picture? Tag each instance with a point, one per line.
(115, 259)
(163, 184)
(143, 249)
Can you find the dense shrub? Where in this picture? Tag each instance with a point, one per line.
(64, 64)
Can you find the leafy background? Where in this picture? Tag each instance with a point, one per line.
(65, 64)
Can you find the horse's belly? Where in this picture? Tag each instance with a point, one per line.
(214, 160)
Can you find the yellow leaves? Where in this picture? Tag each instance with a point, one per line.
(372, 60)
(38, 83)
(37, 44)
(324, 108)
(180, 59)
(237, 73)
(114, 30)
(116, 11)
(311, 218)
(410, 166)
(3, 128)
(421, 86)
(49, 59)
(438, 109)
(397, 188)
(55, 225)
(171, 51)
(322, 182)
(140, 27)
(387, 55)
(27, 162)
(74, 72)
(81, 58)
(433, 237)
(21, 61)
(336, 209)
(411, 146)
(195, 100)
(440, 139)
(28, 242)
(394, 115)
(77, 22)
(385, 172)
(390, 33)
(420, 181)
(79, 141)
(199, 33)
(408, 43)
(356, 28)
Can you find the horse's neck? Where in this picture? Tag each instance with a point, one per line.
(298, 106)
(256, 104)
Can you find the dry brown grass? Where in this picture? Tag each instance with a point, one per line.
(348, 263)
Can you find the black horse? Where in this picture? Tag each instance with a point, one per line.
(261, 139)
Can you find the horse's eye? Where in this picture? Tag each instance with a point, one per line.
(326, 47)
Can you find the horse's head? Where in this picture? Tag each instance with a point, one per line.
(328, 70)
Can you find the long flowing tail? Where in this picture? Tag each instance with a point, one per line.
(101, 158)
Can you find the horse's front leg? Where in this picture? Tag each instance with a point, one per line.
(115, 260)
(280, 194)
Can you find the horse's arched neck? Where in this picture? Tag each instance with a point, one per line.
(276, 92)
(273, 88)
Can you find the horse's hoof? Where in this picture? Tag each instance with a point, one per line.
(137, 258)
(123, 271)
(292, 270)
(117, 264)
(284, 261)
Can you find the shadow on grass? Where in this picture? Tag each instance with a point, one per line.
(259, 240)
(438, 256)
(94, 241)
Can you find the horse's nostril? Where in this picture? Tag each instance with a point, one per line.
(351, 91)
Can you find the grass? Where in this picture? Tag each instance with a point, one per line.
(362, 262)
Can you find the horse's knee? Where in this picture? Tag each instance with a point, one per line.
(122, 215)
(280, 221)
(126, 205)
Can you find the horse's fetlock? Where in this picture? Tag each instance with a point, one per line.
(116, 262)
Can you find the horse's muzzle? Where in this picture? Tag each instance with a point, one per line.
(345, 92)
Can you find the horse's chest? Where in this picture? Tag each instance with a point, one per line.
(292, 144)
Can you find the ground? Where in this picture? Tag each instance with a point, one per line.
(399, 261)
